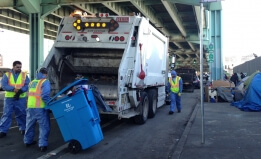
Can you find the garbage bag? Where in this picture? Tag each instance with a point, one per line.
(99, 99)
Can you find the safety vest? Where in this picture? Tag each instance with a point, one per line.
(18, 84)
(34, 94)
(174, 86)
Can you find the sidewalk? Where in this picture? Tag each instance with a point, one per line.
(229, 134)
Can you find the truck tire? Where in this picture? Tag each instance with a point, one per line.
(152, 94)
(143, 109)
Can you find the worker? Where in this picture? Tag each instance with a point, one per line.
(38, 96)
(15, 83)
(175, 86)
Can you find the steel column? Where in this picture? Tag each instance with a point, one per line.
(36, 42)
(216, 35)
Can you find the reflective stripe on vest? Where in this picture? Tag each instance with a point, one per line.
(34, 94)
(20, 81)
(174, 85)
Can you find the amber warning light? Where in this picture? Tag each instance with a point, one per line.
(110, 24)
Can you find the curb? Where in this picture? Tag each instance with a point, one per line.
(179, 148)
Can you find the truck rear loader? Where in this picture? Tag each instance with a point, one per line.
(125, 57)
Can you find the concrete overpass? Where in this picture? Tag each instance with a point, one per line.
(177, 19)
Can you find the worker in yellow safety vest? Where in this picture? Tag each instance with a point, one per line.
(15, 83)
(38, 97)
(175, 86)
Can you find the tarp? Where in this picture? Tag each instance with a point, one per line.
(225, 94)
(252, 97)
(248, 80)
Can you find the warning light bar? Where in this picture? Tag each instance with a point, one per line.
(78, 24)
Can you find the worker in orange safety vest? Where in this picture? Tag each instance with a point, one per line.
(38, 97)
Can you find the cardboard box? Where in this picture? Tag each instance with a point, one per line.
(220, 83)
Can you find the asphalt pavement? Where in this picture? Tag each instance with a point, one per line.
(223, 132)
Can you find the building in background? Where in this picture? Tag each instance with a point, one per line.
(231, 61)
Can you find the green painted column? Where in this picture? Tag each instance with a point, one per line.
(37, 10)
(216, 67)
(36, 42)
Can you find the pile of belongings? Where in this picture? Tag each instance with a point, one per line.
(234, 93)
(252, 98)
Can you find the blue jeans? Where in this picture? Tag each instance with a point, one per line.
(175, 101)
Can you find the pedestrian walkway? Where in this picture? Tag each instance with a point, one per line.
(229, 133)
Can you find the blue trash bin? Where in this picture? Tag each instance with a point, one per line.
(77, 117)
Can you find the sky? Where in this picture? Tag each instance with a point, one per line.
(15, 46)
(241, 27)
(241, 32)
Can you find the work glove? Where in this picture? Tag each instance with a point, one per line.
(179, 94)
(16, 96)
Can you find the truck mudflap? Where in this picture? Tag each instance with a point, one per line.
(99, 99)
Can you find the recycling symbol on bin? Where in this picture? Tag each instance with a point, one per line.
(68, 107)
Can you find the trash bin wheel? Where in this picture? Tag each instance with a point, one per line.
(74, 146)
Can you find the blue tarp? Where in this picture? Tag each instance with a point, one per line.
(252, 97)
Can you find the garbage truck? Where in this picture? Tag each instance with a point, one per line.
(125, 57)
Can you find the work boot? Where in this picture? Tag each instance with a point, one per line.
(32, 143)
(43, 148)
(2, 135)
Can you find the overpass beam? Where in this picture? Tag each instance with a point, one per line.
(179, 46)
(174, 15)
(116, 8)
(149, 13)
(191, 46)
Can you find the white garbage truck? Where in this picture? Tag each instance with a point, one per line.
(125, 57)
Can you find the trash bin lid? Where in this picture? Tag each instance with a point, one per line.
(75, 83)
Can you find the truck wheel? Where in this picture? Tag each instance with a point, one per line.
(74, 146)
(143, 109)
(152, 102)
